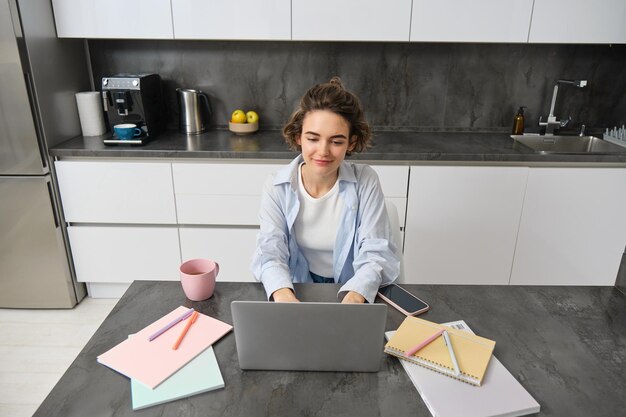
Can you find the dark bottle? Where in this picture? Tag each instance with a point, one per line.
(518, 122)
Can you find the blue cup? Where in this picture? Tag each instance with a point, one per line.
(127, 131)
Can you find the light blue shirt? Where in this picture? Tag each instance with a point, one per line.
(364, 256)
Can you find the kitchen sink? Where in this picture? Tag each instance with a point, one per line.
(568, 144)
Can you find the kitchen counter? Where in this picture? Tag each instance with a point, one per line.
(565, 345)
(389, 147)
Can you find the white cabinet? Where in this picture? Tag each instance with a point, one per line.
(218, 207)
(222, 19)
(219, 194)
(566, 21)
(550, 21)
(471, 21)
(573, 227)
(98, 197)
(230, 194)
(517, 225)
(351, 20)
(224, 198)
(139, 220)
(232, 248)
(116, 192)
(141, 19)
(462, 224)
(394, 181)
(112, 254)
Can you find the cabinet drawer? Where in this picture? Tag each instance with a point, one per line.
(394, 180)
(573, 228)
(461, 224)
(225, 194)
(400, 206)
(232, 248)
(218, 210)
(221, 179)
(116, 192)
(124, 254)
(219, 194)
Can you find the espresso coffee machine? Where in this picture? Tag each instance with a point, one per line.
(135, 99)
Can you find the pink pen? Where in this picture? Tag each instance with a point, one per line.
(423, 343)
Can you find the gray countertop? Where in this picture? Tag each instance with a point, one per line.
(565, 345)
(389, 147)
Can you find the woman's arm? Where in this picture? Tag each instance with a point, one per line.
(284, 295)
(270, 263)
(376, 258)
(352, 297)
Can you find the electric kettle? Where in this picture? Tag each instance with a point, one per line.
(195, 110)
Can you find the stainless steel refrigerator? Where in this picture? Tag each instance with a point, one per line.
(39, 75)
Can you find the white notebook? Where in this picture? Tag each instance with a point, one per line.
(500, 394)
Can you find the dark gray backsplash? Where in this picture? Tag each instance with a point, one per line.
(439, 86)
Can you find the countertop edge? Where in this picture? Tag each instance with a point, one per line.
(393, 148)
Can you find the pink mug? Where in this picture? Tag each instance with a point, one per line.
(198, 278)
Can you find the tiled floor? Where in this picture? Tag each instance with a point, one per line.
(37, 346)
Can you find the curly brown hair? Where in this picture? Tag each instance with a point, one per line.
(334, 97)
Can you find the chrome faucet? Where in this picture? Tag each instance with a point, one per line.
(552, 123)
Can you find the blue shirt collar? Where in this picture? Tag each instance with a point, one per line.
(289, 174)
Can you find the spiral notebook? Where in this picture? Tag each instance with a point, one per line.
(472, 352)
(500, 394)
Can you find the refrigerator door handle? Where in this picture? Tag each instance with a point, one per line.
(53, 205)
(37, 120)
(15, 18)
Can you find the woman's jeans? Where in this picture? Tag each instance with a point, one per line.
(321, 280)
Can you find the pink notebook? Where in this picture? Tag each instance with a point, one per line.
(153, 362)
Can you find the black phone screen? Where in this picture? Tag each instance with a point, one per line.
(402, 298)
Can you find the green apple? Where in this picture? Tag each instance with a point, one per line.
(252, 116)
(238, 116)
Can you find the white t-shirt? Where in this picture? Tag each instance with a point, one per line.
(316, 227)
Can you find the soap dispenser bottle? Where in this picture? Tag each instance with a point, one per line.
(518, 122)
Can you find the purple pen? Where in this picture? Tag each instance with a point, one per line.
(166, 328)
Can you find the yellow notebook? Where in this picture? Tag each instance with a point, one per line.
(472, 352)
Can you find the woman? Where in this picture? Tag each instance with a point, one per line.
(324, 219)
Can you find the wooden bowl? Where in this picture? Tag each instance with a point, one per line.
(243, 128)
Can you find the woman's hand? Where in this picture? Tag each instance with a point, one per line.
(353, 298)
(284, 295)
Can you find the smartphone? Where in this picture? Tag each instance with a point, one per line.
(402, 300)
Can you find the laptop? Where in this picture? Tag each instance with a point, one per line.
(309, 336)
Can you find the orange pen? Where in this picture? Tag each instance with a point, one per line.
(193, 318)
